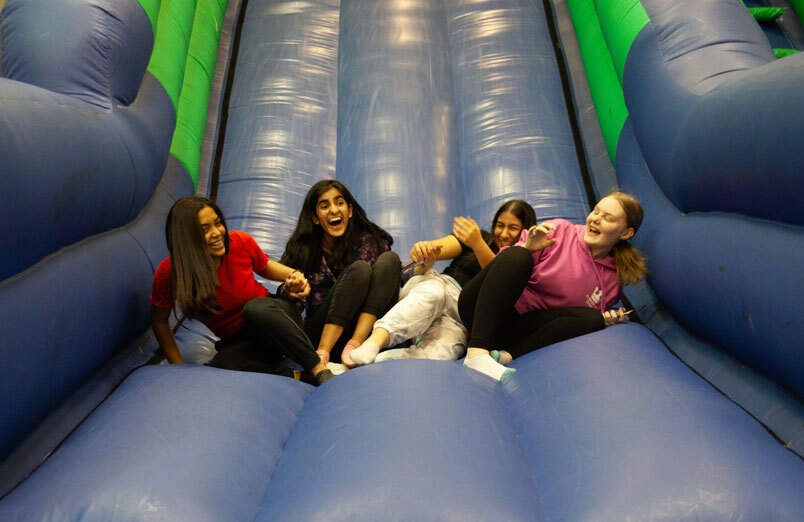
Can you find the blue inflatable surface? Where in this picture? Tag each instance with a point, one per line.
(425, 110)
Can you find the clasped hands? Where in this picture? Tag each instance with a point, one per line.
(296, 285)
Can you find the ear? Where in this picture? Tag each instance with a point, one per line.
(315, 219)
(627, 234)
(350, 211)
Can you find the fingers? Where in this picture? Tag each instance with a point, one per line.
(424, 250)
(296, 285)
(615, 316)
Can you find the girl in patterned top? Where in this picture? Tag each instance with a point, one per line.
(347, 259)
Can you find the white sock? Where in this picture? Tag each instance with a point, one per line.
(365, 353)
(393, 353)
(336, 368)
(485, 364)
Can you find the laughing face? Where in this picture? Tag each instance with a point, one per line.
(332, 214)
(214, 231)
(605, 226)
(507, 229)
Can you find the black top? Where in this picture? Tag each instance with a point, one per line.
(465, 266)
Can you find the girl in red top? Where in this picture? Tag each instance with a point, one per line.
(210, 274)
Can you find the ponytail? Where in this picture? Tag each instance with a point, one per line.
(631, 263)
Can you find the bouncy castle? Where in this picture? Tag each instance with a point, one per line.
(110, 110)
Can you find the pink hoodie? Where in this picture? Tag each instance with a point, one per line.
(566, 274)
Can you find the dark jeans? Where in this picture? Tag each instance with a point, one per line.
(359, 288)
(273, 329)
(486, 307)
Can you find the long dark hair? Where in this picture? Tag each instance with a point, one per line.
(304, 249)
(192, 270)
(521, 209)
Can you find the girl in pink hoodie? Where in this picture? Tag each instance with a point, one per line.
(559, 281)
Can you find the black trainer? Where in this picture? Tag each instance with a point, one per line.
(322, 377)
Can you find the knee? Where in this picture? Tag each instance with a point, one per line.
(515, 260)
(589, 320)
(263, 310)
(432, 292)
(515, 256)
(256, 311)
(359, 272)
(390, 262)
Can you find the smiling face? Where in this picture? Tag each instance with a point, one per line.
(507, 229)
(214, 231)
(605, 226)
(332, 214)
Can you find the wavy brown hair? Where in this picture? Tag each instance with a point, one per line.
(192, 270)
(631, 263)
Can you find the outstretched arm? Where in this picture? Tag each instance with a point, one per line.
(295, 285)
(537, 237)
(428, 252)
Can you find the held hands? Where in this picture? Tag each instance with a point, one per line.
(615, 316)
(467, 231)
(296, 285)
(537, 237)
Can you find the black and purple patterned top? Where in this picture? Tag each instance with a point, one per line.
(322, 281)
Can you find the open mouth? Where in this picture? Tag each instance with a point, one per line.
(216, 244)
(335, 222)
(593, 231)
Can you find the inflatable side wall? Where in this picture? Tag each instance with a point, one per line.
(90, 95)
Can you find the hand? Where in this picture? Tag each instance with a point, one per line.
(467, 231)
(615, 316)
(323, 355)
(296, 285)
(537, 237)
(424, 250)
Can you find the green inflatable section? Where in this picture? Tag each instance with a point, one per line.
(199, 73)
(798, 7)
(605, 36)
(187, 33)
(151, 8)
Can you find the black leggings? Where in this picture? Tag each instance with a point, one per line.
(486, 307)
(360, 288)
(273, 329)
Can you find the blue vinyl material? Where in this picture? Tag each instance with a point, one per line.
(404, 440)
(109, 276)
(723, 292)
(79, 100)
(711, 109)
(281, 125)
(396, 117)
(513, 125)
(616, 428)
(173, 443)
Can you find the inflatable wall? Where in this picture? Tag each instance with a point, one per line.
(426, 110)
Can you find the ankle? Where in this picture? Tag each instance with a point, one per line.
(471, 353)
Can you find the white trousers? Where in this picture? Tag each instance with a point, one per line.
(427, 314)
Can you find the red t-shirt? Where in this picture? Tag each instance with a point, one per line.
(236, 284)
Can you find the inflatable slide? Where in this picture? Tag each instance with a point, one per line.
(425, 109)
